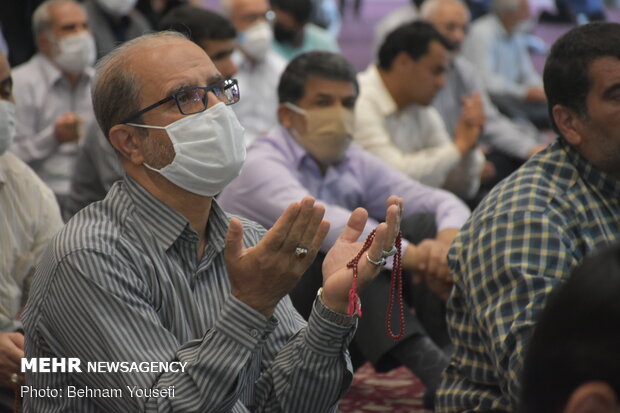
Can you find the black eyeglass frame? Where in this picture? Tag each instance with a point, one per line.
(223, 84)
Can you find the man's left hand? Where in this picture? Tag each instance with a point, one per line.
(337, 278)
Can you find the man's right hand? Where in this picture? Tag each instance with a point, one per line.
(471, 122)
(11, 352)
(261, 275)
(67, 127)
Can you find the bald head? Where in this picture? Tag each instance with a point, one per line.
(116, 90)
(450, 18)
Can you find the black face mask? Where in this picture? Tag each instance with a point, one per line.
(283, 35)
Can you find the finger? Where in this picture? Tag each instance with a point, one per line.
(17, 339)
(307, 239)
(367, 270)
(274, 238)
(318, 239)
(234, 240)
(355, 225)
(393, 224)
(299, 226)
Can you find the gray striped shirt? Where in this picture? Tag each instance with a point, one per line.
(121, 282)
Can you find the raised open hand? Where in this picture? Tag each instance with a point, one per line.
(337, 278)
(261, 275)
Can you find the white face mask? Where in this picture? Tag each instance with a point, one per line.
(117, 8)
(76, 52)
(7, 125)
(209, 148)
(256, 40)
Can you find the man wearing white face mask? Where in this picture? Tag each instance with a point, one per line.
(29, 217)
(259, 67)
(310, 154)
(114, 22)
(52, 93)
(158, 272)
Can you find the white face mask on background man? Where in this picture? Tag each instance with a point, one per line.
(75, 52)
(7, 125)
(256, 40)
(209, 150)
(328, 134)
(117, 8)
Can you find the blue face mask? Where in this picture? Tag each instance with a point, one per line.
(7, 125)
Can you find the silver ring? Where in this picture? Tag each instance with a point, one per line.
(301, 252)
(14, 378)
(389, 253)
(380, 262)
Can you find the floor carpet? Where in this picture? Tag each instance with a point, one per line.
(397, 391)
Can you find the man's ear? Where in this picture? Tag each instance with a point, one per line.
(44, 44)
(401, 62)
(127, 142)
(285, 116)
(569, 123)
(592, 397)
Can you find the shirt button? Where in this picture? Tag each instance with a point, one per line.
(254, 333)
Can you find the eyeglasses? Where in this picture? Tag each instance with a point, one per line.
(195, 99)
(6, 88)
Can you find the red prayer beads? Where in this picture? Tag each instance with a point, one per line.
(396, 282)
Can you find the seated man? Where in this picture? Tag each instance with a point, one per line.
(29, 217)
(577, 328)
(508, 143)
(259, 66)
(52, 94)
(310, 154)
(158, 273)
(497, 47)
(394, 119)
(293, 32)
(536, 225)
(97, 166)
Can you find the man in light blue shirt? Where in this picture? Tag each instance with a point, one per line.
(310, 153)
(497, 46)
(293, 32)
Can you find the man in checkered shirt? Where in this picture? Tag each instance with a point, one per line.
(536, 225)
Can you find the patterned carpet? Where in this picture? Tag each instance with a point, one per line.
(397, 391)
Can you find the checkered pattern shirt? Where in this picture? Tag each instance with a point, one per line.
(520, 243)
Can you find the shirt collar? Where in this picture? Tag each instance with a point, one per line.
(167, 225)
(386, 104)
(52, 74)
(499, 26)
(589, 173)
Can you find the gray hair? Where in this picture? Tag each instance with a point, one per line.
(430, 8)
(41, 20)
(116, 89)
(503, 6)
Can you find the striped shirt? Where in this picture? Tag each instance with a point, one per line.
(521, 242)
(121, 282)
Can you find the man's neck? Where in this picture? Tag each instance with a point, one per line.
(72, 78)
(394, 87)
(195, 208)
